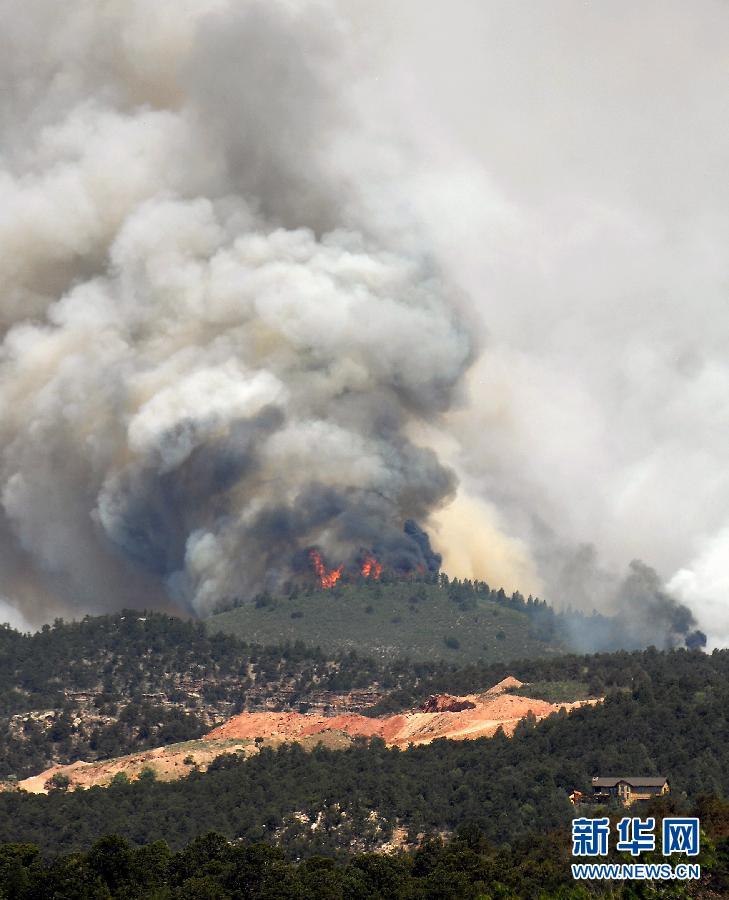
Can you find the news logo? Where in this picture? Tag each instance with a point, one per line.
(681, 836)
(636, 835)
(591, 837)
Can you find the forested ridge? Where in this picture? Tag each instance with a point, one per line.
(108, 685)
(535, 866)
(293, 819)
(115, 684)
(431, 617)
(427, 618)
(672, 720)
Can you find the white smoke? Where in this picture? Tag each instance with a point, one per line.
(230, 237)
(212, 355)
(704, 585)
(568, 159)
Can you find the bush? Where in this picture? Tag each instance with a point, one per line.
(59, 782)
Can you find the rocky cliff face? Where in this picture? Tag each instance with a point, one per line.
(445, 703)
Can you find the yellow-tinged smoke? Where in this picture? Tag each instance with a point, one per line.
(468, 535)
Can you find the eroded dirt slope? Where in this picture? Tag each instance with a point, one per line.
(167, 763)
(440, 716)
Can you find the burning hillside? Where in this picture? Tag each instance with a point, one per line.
(371, 568)
(215, 350)
(231, 333)
(368, 567)
(327, 577)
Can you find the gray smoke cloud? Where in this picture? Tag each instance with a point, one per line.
(214, 345)
(568, 159)
(641, 612)
(236, 241)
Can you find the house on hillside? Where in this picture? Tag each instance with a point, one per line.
(628, 789)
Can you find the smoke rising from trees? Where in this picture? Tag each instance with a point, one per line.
(211, 352)
(287, 273)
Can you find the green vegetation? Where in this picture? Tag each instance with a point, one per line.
(150, 678)
(29, 744)
(423, 621)
(114, 656)
(60, 782)
(110, 685)
(115, 684)
(555, 691)
(673, 720)
(468, 867)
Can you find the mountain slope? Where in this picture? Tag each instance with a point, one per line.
(673, 720)
(387, 621)
(440, 716)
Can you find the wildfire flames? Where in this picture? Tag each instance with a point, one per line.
(327, 577)
(371, 568)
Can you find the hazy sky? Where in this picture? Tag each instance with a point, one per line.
(570, 159)
(239, 239)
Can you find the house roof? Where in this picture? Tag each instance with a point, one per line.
(632, 780)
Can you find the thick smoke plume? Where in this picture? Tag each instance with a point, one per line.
(214, 345)
(235, 239)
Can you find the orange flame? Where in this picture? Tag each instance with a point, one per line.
(327, 578)
(371, 568)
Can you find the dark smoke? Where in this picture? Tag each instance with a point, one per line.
(640, 612)
(221, 330)
(656, 616)
(430, 560)
(228, 320)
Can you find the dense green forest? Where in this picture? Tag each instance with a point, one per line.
(152, 679)
(468, 867)
(114, 684)
(122, 654)
(673, 719)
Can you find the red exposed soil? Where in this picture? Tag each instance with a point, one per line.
(441, 716)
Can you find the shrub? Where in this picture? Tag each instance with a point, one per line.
(59, 782)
